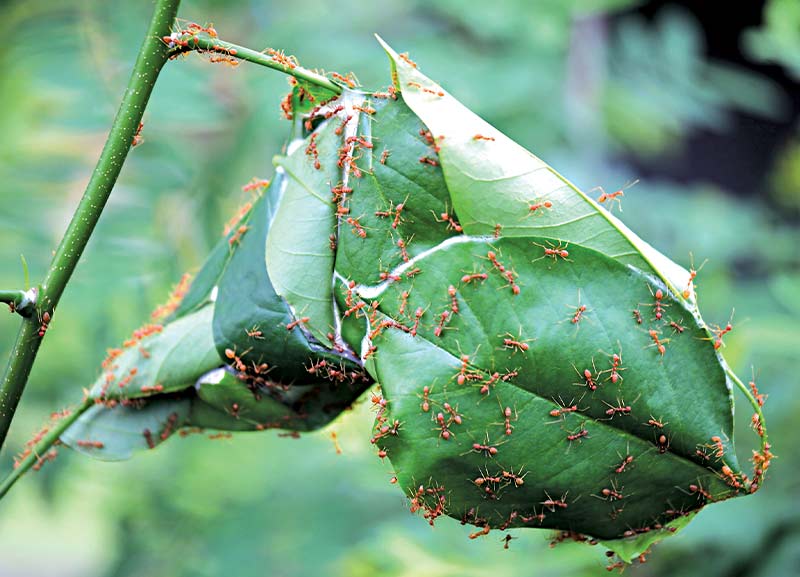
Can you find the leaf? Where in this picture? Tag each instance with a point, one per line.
(299, 257)
(684, 389)
(294, 407)
(202, 287)
(494, 182)
(169, 359)
(397, 200)
(249, 316)
(122, 429)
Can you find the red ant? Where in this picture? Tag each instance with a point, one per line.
(293, 324)
(45, 323)
(507, 422)
(551, 503)
(385, 275)
(619, 409)
(616, 361)
(485, 386)
(507, 274)
(589, 381)
(612, 494)
(443, 425)
(488, 450)
(625, 462)
(637, 315)
(517, 478)
(760, 398)
(718, 446)
(676, 328)
(658, 306)
(513, 343)
(720, 332)
(384, 156)
(657, 342)
(581, 434)
(407, 60)
(425, 405)
(443, 318)
(455, 417)
(137, 137)
(563, 410)
(482, 137)
(451, 221)
(692, 274)
(698, 490)
(254, 333)
(451, 291)
(428, 90)
(580, 310)
(468, 278)
(553, 251)
(401, 244)
(237, 236)
(663, 443)
(614, 196)
(653, 422)
(534, 517)
(532, 208)
(357, 229)
(730, 477)
(403, 302)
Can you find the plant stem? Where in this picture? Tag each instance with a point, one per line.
(205, 43)
(153, 54)
(756, 407)
(21, 302)
(43, 446)
(11, 296)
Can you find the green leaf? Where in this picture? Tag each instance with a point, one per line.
(630, 548)
(299, 257)
(201, 289)
(122, 429)
(249, 316)
(398, 199)
(494, 182)
(275, 406)
(168, 360)
(684, 389)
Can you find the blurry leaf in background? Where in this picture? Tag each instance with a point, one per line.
(661, 85)
(777, 40)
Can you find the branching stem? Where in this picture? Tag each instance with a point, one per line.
(153, 54)
(205, 43)
(43, 446)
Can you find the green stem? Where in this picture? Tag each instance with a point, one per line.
(153, 54)
(756, 407)
(12, 296)
(43, 446)
(14, 299)
(205, 43)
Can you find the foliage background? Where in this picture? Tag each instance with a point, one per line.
(705, 113)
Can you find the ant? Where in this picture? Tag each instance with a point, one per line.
(553, 251)
(515, 343)
(614, 196)
(589, 380)
(255, 333)
(692, 274)
(551, 503)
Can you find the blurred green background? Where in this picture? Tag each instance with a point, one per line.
(701, 103)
